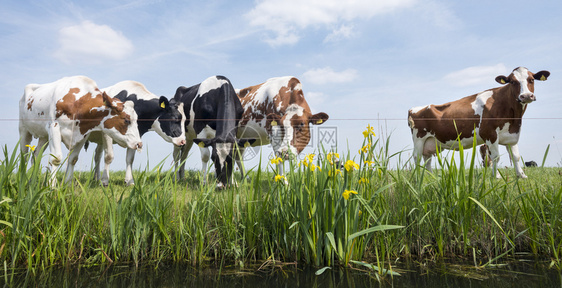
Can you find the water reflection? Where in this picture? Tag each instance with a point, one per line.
(412, 275)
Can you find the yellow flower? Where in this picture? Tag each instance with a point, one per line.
(365, 149)
(276, 161)
(369, 162)
(314, 167)
(307, 159)
(332, 156)
(279, 178)
(370, 131)
(31, 147)
(333, 173)
(350, 165)
(363, 180)
(348, 193)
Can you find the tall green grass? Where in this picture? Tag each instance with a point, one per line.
(363, 214)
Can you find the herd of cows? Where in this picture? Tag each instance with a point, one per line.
(74, 111)
(212, 114)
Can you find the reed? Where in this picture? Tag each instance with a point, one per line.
(328, 210)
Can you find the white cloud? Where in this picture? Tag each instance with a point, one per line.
(92, 43)
(286, 17)
(328, 75)
(476, 75)
(343, 32)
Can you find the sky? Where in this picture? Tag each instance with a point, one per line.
(363, 62)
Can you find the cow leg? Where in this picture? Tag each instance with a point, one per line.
(108, 159)
(72, 159)
(97, 159)
(240, 163)
(205, 156)
(129, 170)
(180, 154)
(25, 140)
(55, 158)
(417, 153)
(515, 158)
(40, 144)
(495, 155)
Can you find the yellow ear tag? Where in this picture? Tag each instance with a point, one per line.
(503, 81)
(320, 121)
(543, 78)
(162, 105)
(247, 144)
(273, 123)
(201, 144)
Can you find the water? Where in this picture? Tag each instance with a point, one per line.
(413, 275)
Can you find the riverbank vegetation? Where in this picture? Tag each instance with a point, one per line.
(327, 210)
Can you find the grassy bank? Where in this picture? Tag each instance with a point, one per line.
(316, 214)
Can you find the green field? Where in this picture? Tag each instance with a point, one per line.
(323, 216)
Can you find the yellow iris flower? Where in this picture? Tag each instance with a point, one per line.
(370, 131)
(350, 165)
(280, 178)
(276, 160)
(348, 193)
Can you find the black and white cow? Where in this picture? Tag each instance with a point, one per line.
(155, 113)
(213, 111)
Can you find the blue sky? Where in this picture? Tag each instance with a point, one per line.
(362, 62)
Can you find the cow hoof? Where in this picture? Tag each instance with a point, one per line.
(523, 176)
(105, 184)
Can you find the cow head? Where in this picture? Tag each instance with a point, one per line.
(170, 123)
(121, 123)
(523, 80)
(290, 133)
(223, 155)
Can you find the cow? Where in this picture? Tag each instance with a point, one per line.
(67, 111)
(155, 113)
(213, 111)
(275, 112)
(494, 117)
(531, 164)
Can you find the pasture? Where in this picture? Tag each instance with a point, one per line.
(332, 210)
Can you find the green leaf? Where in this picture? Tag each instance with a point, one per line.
(373, 229)
(322, 270)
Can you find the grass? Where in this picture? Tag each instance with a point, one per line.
(364, 215)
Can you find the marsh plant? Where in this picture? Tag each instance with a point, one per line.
(327, 210)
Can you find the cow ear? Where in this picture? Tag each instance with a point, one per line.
(110, 102)
(163, 102)
(502, 79)
(204, 142)
(542, 75)
(319, 118)
(273, 120)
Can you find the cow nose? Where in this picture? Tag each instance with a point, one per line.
(139, 145)
(528, 97)
(182, 142)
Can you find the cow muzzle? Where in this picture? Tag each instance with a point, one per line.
(139, 146)
(527, 98)
(179, 141)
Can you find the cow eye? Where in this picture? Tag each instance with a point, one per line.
(531, 80)
(127, 122)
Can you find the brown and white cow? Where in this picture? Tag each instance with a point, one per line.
(67, 111)
(493, 117)
(275, 112)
